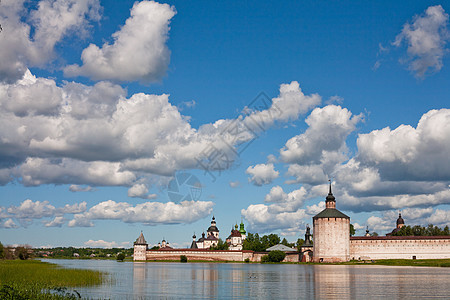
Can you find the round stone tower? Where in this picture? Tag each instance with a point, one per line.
(331, 233)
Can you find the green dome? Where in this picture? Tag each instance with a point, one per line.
(241, 228)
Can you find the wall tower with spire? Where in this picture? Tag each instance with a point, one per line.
(331, 233)
(140, 248)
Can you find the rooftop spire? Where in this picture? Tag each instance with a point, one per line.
(330, 196)
(330, 199)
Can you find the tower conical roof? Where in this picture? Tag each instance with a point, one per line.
(140, 240)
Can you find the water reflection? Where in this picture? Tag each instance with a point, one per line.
(141, 280)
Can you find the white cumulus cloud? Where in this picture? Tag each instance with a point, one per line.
(139, 51)
(56, 222)
(148, 213)
(426, 38)
(29, 36)
(262, 174)
(140, 190)
(104, 244)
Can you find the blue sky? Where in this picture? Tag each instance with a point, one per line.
(103, 103)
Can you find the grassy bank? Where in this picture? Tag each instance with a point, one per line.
(33, 279)
(404, 262)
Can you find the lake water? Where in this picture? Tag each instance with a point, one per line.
(140, 280)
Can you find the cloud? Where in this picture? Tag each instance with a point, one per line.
(400, 201)
(426, 37)
(261, 220)
(412, 217)
(29, 36)
(148, 213)
(37, 171)
(9, 224)
(315, 208)
(334, 99)
(79, 188)
(93, 135)
(80, 220)
(104, 244)
(140, 191)
(309, 174)
(234, 184)
(440, 217)
(328, 129)
(314, 155)
(408, 153)
(139, 51)
(56, 222)
(284, 212)
(30, 210)
(393, 169)
(288, 106)
(262, 174)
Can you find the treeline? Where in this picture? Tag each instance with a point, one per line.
(418, 230)
(260, 244)
(25, 252)
(71, 252)
(20, 252)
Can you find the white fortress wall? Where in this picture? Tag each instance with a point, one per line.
(208, 255)
(400, 247)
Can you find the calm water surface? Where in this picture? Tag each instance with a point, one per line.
(141, 280)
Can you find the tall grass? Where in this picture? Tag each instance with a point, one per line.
(445, 262)
(415, 262)
(32, 279)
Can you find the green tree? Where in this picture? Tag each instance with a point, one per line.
(352, 230)
(276, 256)
(300, 242)
(374, 234)
(120, 256)
(253, 242)
(265, 258)
(183, 258)
(418, 230)
(2, 251)
(22, 253)
(221, 245)
(273, 239)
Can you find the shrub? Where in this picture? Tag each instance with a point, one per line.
(22, 253)
(276, 256)
(183, 258)
(247, 260)
(265, 258)
(120, 256)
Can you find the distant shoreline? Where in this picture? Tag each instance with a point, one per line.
(445, 262)
(382, 262)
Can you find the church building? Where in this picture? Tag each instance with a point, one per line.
(211, 239)
(236, 238)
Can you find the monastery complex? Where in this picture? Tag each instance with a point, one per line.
(330, 242)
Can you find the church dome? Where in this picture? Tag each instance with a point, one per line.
(400, 220)
(213, 227)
